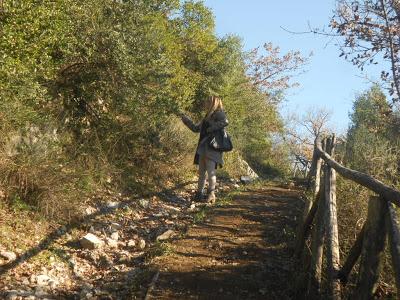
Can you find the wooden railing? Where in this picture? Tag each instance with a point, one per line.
(301, 165)
(320, 225)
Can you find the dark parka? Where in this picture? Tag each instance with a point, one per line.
(206, 127)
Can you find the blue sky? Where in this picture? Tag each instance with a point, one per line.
(330, 81)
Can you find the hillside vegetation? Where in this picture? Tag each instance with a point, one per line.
(90, 90)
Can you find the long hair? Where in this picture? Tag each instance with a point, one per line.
(215, 103)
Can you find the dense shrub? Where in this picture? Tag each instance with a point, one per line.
(90, 90)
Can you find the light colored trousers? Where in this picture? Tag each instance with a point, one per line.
(207, 165)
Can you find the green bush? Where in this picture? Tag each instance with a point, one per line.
(90, 90)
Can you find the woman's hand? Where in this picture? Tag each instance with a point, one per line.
(189, 123)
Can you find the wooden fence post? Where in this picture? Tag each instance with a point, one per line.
(393, 229)
(315, 171)
(370, 242)
(332, 235)
(304, 229)
(373, 248)
(318, 169)
(305, 171)
(313, 166)
(317, 243)
(302, 253)
(317, 184)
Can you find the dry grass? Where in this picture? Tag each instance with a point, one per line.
(352, 202)
(54, 175)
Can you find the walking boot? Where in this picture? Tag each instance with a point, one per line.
(211, 197)
(199, 196)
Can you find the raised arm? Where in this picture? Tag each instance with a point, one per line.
(190, 124)
(218, 121)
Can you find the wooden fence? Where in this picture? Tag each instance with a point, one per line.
(320, 225)
(302, 165)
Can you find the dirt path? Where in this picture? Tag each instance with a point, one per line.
(241, 250)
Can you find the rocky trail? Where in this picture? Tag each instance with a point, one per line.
(160, 247)
(241, 250)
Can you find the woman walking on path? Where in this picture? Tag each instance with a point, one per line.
(206, 157)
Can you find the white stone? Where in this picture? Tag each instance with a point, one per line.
(53, 284)
(115, 235)
(42, 279)
(90, 241)
(90, 210)
(112, 243)
(166, 235)
(172, 208)
(246, 179)
(142, 244)
(32, 279)
(144, 203)
(131, 243)
(8, 255)
(115, 226)
(112, 204)
(72, 262)
(243, 165)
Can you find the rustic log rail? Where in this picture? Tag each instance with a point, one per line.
(320, 224)
(301, 164)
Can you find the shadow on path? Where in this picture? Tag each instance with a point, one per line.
(242, 251)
